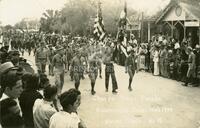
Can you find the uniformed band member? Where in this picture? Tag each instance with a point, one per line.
(93, 73)
(99, 65)
(51, 54)
(130, 67)
(109, 70)
(191, 66)
(41, 58)
(58, 67)
(76, 69)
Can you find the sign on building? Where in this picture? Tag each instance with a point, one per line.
(192, 24)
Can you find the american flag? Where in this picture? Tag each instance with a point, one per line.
(99, 30)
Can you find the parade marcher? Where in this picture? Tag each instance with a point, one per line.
(130, 67)
(99, 65)
(76, 69)
(83, 65)
(59, 70)
(51, 53)
(109, 70)
(41, 58)
(65, 59)
(69, 57)
(191, 66)
(93, 72)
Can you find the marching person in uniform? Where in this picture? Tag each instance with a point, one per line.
(130, 67)
(41, 58)
(76, 69)
(109, 70)
(50, 58)
(93, 72)
(58, 67)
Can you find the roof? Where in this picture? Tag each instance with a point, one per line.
(192, 9)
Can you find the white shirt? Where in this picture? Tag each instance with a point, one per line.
(64, 119)
(42, 112)
(160, 38)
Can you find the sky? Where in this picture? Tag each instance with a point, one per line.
(13, 11)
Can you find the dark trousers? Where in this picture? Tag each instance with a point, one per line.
(43, 68)
(51, 69)
(109, 70)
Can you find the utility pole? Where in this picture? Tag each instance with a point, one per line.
(142, 28)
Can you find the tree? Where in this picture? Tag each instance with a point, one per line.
(77, 17)
(22, 25)
(50, 18)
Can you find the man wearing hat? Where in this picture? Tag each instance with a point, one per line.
(41, 58)
(58, 67)
(191, 66)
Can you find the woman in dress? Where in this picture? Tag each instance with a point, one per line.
(156, 61)
(142, 54)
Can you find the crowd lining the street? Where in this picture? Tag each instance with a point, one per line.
(29, 100)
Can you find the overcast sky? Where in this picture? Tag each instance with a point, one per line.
(12, 11)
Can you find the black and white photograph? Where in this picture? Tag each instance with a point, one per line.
(99, 63)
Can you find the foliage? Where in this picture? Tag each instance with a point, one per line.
(49, 20)
(26, 24)
(77, 17)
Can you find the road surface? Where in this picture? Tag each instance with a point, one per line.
(155, 102)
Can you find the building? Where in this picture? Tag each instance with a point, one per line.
(181, 20)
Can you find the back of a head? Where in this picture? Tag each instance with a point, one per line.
(31, 81)
(43, 80)
(69, 97)
(5, 105)
(9, 78)
(50, 91)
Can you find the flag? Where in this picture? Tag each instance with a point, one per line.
(122, 30)
(99, 30)
(123, 17)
